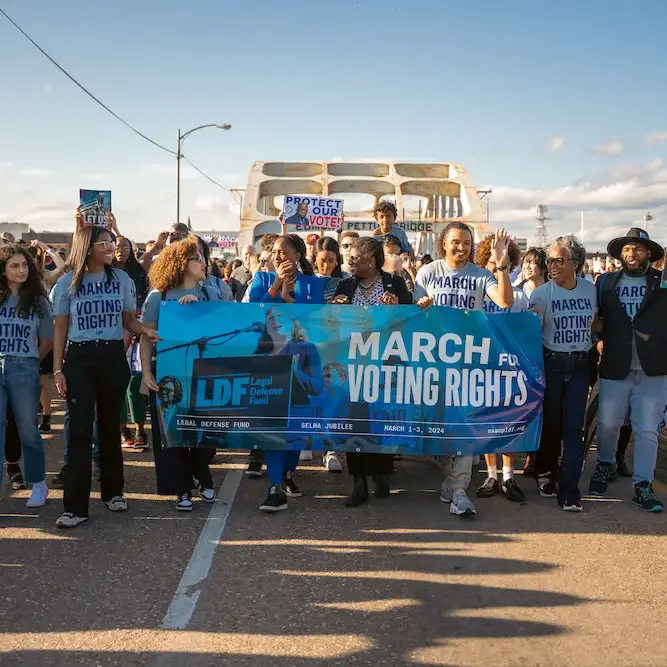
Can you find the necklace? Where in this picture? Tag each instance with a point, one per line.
(374, 282)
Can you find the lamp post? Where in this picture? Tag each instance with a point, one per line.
(181, 139)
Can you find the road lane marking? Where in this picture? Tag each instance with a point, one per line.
(189, 589)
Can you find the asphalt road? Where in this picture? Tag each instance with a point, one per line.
(396, 582)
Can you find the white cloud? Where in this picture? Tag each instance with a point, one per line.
(612, 203)
(555, 144)
(98, 177)
(36, 172)
(609, 148)
(656, 137)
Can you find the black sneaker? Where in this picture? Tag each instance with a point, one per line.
(548, 488)
(572, 505)
(489, 488)
(604, 473)
(16, 480)
(512, 491)
(275, 501)
(45, 424)
(254, 469)
(290, 487)
(646, 499)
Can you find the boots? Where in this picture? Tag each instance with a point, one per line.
(359, 493)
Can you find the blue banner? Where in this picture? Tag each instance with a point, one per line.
(391, 379)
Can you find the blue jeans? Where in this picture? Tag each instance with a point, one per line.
(20, 388)
(278, 462)
(644, 397)
(565, 399)
(96, 447)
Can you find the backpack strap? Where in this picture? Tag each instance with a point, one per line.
(205, 291)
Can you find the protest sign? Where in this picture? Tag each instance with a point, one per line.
(94, 208)
(382, 379)
(306, 213)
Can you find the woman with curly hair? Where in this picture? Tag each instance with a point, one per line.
(292, 282)
(178, 274)
(93, 305)
(483, 257)
(27, 336)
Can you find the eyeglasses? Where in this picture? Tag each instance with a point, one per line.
(557, 261)
(107, 245)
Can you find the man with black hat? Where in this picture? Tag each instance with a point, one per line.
(633, 368)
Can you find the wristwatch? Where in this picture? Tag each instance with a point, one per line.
(504, 267)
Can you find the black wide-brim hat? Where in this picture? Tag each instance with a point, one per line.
(635, 235)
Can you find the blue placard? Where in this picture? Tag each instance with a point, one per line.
(382, 379)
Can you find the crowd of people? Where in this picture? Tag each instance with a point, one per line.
(86, 325)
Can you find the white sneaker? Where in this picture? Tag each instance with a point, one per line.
(207, 495)
(447, 490)
(306, 455)
(117, 504)
(461, 505)
(38, 495)
(69, 520)
(332, 462)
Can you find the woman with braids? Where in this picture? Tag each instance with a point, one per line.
(93, 304)
(370, 286)
(292, 282)
(27, 335)
(509, 488)
(178, 274)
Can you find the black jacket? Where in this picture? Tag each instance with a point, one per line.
(392, 283)
(649, 328)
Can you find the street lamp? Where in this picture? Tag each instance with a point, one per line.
(181, 139)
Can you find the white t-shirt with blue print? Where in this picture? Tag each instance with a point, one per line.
(97, 308)
(566, 315)
(19, 336)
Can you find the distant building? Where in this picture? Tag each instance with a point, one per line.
(523, 244)
(16, 229)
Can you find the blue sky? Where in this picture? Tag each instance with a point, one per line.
(547, 101)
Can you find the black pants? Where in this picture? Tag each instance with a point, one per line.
(364, 464)
(12, 439)
(565, 398)
(176, 466)
(96, 373)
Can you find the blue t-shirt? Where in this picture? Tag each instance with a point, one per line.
(97, 308)
(19, 336)
(399, 234)
(566, 315)
(631, 291)
(519, 306)
(151, 310)
(218, 285)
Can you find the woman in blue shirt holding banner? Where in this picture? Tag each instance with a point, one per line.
(92, 305)
(26, 331)
(292, 282)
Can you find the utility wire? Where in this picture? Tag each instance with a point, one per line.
(208, 178)
(104, 106)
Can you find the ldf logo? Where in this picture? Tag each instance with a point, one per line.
(221, 391)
